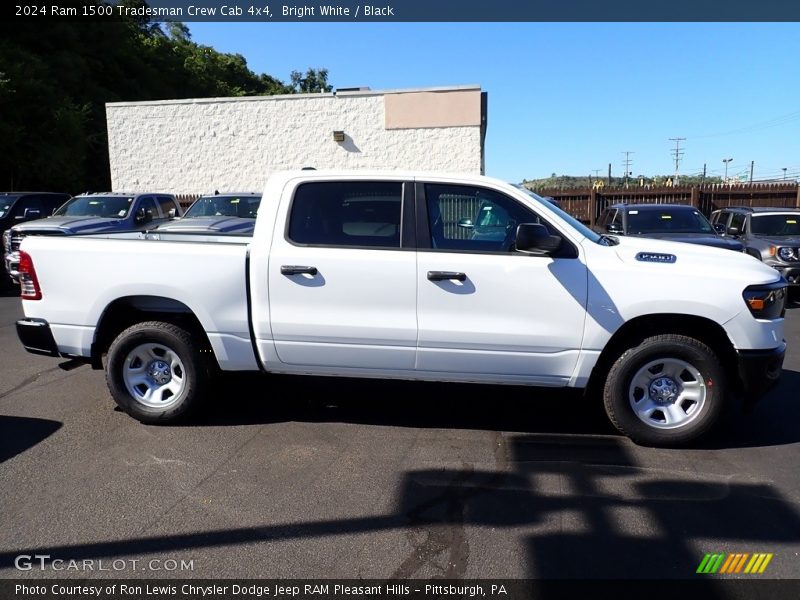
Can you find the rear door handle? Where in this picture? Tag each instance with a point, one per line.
(298, 270)
(446, 276)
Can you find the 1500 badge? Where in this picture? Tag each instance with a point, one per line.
(656, 257)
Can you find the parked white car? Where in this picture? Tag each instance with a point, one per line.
(370, 275)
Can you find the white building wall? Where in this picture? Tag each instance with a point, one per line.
(233, 144)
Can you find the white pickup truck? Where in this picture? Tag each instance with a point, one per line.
(412, 276)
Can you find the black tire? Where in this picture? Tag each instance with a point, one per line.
(194, 374)
(618, 390)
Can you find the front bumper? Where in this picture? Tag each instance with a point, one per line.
(36, 337)
(791, 274)
(759, 370)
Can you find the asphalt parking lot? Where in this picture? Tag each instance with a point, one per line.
(308, 477)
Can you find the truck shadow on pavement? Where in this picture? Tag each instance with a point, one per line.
(598, 514)
(401, 404)
(471, 406)
(18, 434)
(578, 507)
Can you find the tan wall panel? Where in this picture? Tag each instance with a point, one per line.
(433, 109)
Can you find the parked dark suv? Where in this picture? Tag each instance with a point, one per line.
(771, 234)
(19, 207)
(673, 222)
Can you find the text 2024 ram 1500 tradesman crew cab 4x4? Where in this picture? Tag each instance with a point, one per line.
(370, 275)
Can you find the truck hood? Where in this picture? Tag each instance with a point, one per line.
(704, 239)
(782, 240)
(210, 225)
(693, 260)
(69, 225)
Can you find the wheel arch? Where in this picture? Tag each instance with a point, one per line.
(129, 310)
(633, 332)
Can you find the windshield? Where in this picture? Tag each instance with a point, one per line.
(6, 202)
(109, 207)
(225, 206)
(667, 220)
(785, 224)
(582, 229)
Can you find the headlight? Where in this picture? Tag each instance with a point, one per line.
(787, 254)
(766, 301)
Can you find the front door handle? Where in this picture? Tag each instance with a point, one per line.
(298, 270)
(446, 276)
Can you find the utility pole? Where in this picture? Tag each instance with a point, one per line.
(677, 155)
(609, 174)
(627, 164)
(704, 173)
(752, 163)
(784, 173)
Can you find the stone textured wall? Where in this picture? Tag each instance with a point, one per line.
(198, 146)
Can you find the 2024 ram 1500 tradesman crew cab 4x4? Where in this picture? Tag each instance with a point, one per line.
(370, 275)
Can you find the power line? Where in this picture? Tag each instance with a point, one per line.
(677, 155)
(627, 164)
(781, 120)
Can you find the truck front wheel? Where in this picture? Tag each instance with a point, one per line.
(155, 372)
(666, 391)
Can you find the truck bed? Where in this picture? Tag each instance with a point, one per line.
(206, 273)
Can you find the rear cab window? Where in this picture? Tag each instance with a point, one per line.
(166, 204)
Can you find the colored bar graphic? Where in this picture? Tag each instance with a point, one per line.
(711, 563)
(734, 563)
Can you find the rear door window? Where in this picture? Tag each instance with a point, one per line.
(347, 213)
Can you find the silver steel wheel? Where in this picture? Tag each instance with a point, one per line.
(667, 393)
(154, 375)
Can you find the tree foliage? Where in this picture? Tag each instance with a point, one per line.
(573, 182)
(56, 79)
(313, 82)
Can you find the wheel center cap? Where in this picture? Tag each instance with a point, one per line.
(663, 390)
(159, 372)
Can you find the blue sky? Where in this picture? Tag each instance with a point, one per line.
(569, 98)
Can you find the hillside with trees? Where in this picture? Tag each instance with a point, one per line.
(572, 182)
(56, 76)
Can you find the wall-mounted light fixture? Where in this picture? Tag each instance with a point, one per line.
(338, 136)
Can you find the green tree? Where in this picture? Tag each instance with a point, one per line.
(314, 81)
(54, 84)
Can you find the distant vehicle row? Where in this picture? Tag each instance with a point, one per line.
(770, 234)
(21, 214)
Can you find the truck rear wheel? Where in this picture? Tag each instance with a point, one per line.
(666, 391)
(155, 372)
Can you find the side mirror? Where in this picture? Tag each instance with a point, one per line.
(614, 228)
(534, 238)
(144, 215)
(466, 223)
(32, 213)
(719, 228)
(171, 213)
(732, 231)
